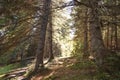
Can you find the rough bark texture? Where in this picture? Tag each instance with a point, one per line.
(108, 31)
(97, 45)
(50, 36)
(48, 41)
(86, 36)
(42, 32)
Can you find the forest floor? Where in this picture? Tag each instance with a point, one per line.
(68, 69)
(61, 69)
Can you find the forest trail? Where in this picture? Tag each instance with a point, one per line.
(58, 69)
(63, 69)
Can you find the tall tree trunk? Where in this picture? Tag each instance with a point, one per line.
(116, 38)
(42, 32)
(97, 45)
(85, 55)
(51, 56)
(107, 36)
(48, 41)
(111, 36)
(116, 30)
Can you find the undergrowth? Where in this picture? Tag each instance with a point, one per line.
(8, 68)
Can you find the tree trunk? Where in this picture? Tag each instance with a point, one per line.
(107, 36)
(51, 56)
(111, 36)
(116, 38)
(48, 42)
(42, 32)
(97, 45)
(85, 55)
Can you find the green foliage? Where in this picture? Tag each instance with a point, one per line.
(8, 68)
(2, 21)
(8, 57)
(83, 65)
(111, 68)
(77, 51)
(102, 76)
(4, 58)
(112, 65)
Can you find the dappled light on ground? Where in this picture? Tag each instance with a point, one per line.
(66, 69)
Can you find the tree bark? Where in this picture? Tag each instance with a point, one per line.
(42, 32)
(107, 36)
(85, 55)
(116, 37)
(51, 56)
(48, 42)
(97, 45)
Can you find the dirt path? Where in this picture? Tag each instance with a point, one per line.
(58, 69)
(53, 66)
